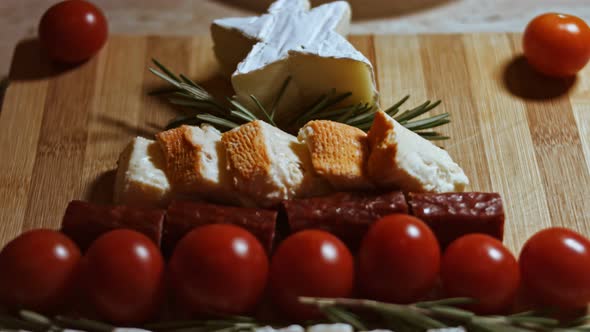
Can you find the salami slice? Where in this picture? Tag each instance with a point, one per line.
(452, 215)
(183, 216)
(346, 215)
(83, 222)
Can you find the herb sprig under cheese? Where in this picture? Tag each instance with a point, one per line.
(204, 108)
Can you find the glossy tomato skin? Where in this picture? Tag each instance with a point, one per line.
(399, 260)
(73, 31)
(123, 277)
(480, 267)
(37, 271)
(557, 44)
(310, 263)
(218, 268)
(555, 268)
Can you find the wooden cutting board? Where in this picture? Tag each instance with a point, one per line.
(514, 132)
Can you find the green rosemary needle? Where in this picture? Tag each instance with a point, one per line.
(361, 314)
(204, 108)
(441, 314)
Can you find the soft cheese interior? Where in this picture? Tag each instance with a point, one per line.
(195, 162)
(141, 178)
(269, 165)
(400, 157)
(293, 41)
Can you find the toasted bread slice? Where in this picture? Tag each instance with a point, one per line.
(269, 165)
(141, 178)
(339, 153)
(196, 163)
(402, 159)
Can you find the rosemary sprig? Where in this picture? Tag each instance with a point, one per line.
(187, 93)
(35, 322)
(440, 314)
(363, 315)
(206, 109)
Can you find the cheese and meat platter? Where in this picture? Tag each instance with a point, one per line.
(297, 190)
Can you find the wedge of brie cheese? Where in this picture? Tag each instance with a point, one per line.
(339, 153)
(402, 159)
(293, 41)
(196, 163)
(269, 165)
(141, 179)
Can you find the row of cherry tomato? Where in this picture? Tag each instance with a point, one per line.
(223, 268)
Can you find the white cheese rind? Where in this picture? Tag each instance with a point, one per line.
(141, 177)
(402, 159)
(292, 40)
(290, 25)
(227, 38)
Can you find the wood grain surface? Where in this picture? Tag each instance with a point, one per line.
(513, 131)
(20, 18)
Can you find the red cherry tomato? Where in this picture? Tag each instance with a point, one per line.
(480, 267)
(37, 270)
(73, 31)
(310, 263)
(557, 44)
(219, 268)
(555, 268)
(124, 272)
(398, 260)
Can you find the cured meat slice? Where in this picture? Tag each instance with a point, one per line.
(452, 215)
(346, 215)
(183, 216)
(83, 222)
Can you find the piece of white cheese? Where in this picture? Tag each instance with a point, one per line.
(339, 153)
(293, 41)
(338, 327)
(402, 159)
(141, 177)
(290, 328)
(196, 163)
(269, 165)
